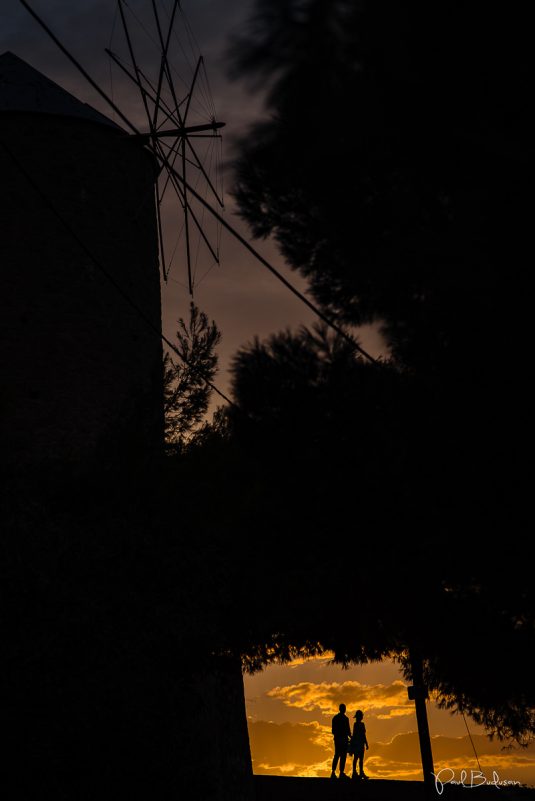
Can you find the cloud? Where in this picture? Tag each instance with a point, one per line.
(390, 699)
(289, 749)
(400, 757)
(405, 748)
(305, 749)
(305, 660)
(396, 712)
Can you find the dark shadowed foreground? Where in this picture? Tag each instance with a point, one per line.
(291, 788)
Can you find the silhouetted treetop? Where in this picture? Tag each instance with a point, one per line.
(186, 393)
(393, 166)
(364, 498)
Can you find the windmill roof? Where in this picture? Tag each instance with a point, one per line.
(23, 88)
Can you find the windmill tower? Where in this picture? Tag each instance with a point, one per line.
(93, 709)
(81, 374)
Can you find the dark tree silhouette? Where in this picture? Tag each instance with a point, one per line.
(395, 167)
(186, 393)
(364, 548)
(395, 171)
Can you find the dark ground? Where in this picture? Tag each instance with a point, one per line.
(286, 788)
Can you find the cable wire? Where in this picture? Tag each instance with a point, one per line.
(117, 286)
(470, 736)
(164, 161)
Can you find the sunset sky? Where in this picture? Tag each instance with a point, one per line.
(290, 707)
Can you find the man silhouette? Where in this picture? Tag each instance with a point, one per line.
(341, 733)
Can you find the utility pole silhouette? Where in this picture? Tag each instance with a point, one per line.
(418, 693)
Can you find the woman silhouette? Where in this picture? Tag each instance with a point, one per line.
(358, 741)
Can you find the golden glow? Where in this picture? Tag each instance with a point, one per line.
(289, 715)
(390, 699)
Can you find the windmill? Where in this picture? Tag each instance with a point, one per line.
(173, 134)
(81, 302)
(182, 130)
(174, 142)
(181, 127)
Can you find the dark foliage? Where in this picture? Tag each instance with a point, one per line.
(186, 393)
(371, 541)
(395, 169)
(395, 172)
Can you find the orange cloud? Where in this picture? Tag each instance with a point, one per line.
(400, 758)
(328, 656)
(396, 712)
(305, 749)
(391, 699)
(288, 749)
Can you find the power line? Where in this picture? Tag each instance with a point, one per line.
(258, 256)
(154, 328)
(470, 736)
(78, 66)
(186, 187)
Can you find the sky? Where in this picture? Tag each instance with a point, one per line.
(239, 294)
(289, 712)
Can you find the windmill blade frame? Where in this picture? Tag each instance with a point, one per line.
(167, 118)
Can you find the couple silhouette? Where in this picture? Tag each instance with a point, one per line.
(345, 742)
